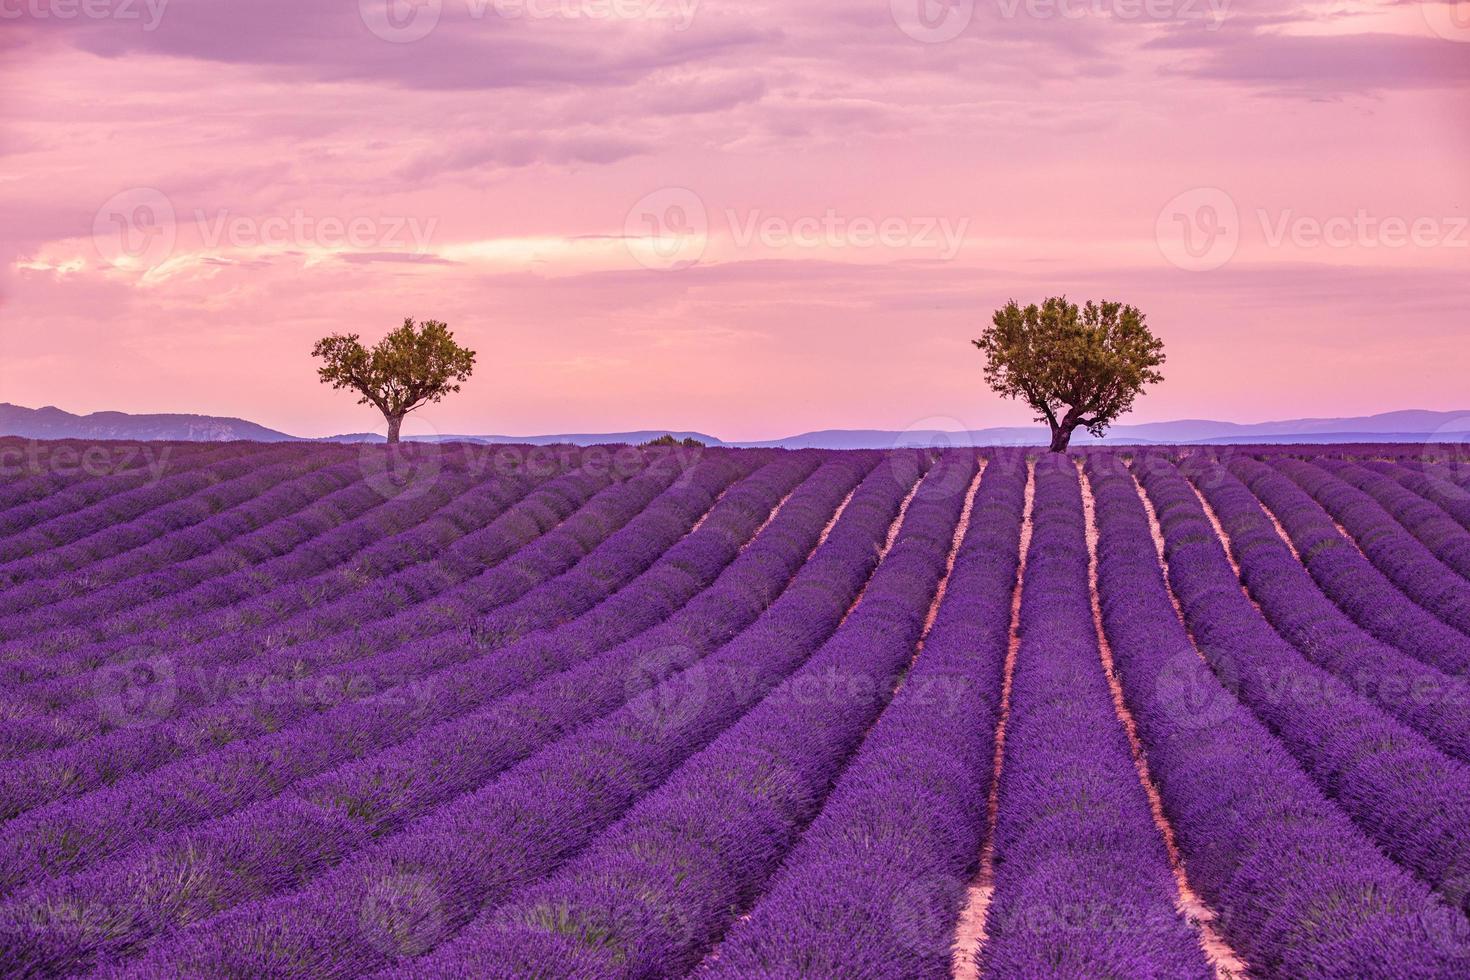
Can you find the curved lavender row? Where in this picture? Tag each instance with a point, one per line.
(1082, 878)
(1349, 579)
(277, 538)
(1258, 839)
(397, 516)
(651, 894)
(393, 544)
(1396, 552)
(221, 689)
(268, 495)
(1423, 697)
(390, 656)
(1433, 482)
(31, 514)
(1436, 530)
(876, 881)
(413, 888)
(313, 567)
(52, 683)
(228, 486)
(322, 820)
(30, 477)
(71, 525)
(44, 840)
(307, 544)
(1409, 798)
(205, 521)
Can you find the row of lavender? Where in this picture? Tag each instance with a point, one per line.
(352, 730)
(418, 885)
(1278, 783)
(527, 545)
(185, 778)
(205, 700)
(1299, 878)
(644, 708)
(50, 480)
(336, 527)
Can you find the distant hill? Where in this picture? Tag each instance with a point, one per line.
(53, 423)
(573, 439)
(1404, 426)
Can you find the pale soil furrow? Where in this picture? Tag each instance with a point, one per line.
(836, 514)
(903, 510)
(970, 928)
(713, 955)
(1220, 533)
(960, 530)
(1227, 964)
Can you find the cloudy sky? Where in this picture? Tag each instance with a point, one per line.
(748, 217)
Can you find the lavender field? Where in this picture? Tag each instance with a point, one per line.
(320, 710)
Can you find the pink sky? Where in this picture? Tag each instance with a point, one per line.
(749, 218)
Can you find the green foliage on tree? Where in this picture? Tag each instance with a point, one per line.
(412, 366)
(689, 442)
(1076, 366)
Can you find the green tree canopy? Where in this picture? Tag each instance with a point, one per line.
(1076, 366)
(412, 366)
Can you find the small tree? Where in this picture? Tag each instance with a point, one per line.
(1075, 366)
(688, 442)
(410, 367)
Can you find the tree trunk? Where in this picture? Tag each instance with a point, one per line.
(394, 425)
(1060, 437)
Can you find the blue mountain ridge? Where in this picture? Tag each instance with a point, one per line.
(1413, 425)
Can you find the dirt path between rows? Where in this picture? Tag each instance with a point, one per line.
(1226, 963)
(970, 928)
(822, 538)
(960, 530)
(1220, 534)
(893, 529)
(713, 955)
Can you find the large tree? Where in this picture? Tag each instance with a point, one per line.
(412, 366)
(1077, 366)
